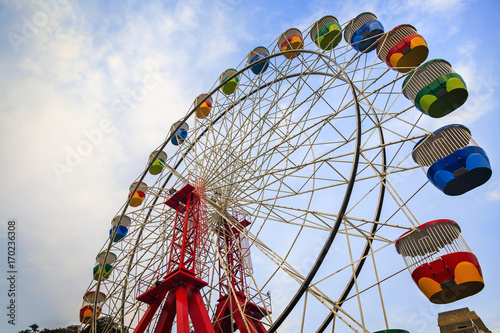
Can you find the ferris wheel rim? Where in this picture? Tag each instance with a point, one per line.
(358, 136)
(334, 231)
(369, 241)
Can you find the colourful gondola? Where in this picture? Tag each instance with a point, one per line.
(402, 48)
(181, 134)
(453, 161)
(203, 110)
(255, 55)
(122, 225)
(440, 261)
(138, 195)
(158, 163)
(291, 40)
(87, 309)
(230, 84)
(363, 32)
(435, 88)
(326, 33)
(103, 265)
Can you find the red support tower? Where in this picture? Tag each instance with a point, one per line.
(234, 310)
(182, 282)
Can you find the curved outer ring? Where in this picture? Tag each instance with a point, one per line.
(369, 241)
(338, 222)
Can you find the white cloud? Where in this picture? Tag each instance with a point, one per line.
(63, 84)
(494, 194)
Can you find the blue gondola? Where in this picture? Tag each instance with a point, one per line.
(181, 134)
(122, 225)
(454, 162)
(254, 56)
(363, 32)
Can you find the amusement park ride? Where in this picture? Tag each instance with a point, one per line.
(260, 149)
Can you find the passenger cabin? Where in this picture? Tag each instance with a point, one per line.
(138, 193)
(104, 264)
(180, 134)
(202, 110)
(230, 83)
(326, 33)
(122, 225)
(254, 56)
(453, 161)
(435, 88)
(402, 48)
(363, 32)
(158, 163)
(87, 309)
(291, 40)
(440, 261)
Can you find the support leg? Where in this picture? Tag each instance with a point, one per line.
(222, 323)
(148, 315)
(181, 302)
(244, 324)
(167, 315)
(198, 312)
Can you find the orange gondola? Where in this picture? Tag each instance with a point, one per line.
(440, 262)
(291, 40)
(87, 309)
(402, 48)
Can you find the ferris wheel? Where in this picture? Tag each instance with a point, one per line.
(275, 203)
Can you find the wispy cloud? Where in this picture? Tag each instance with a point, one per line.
(64, 84)
(494, 194)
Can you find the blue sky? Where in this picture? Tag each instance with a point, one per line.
(78, 75)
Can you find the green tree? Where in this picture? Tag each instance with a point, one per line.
(34, 328)
(105, 324)
(69, 329)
